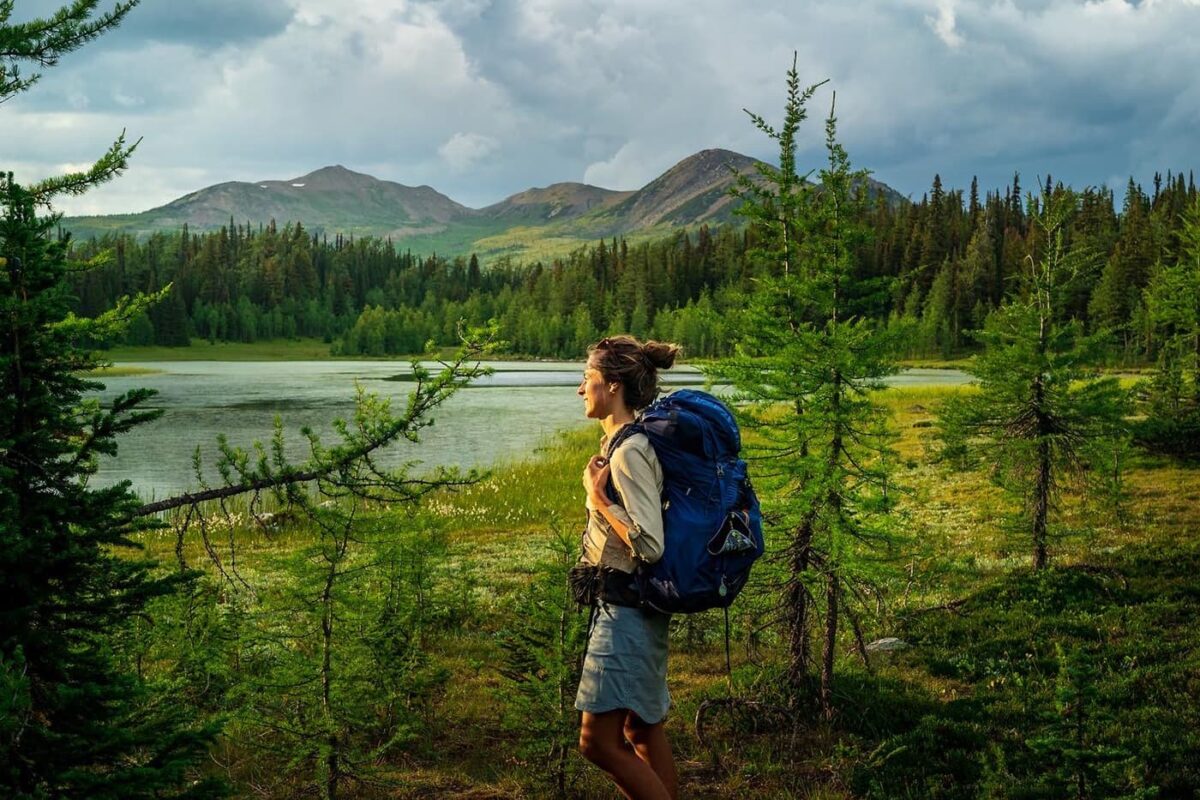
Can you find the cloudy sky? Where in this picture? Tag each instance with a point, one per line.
(484, 98)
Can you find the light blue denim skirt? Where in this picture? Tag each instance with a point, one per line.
(626, 664)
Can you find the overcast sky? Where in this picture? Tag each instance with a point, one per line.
(484, 98)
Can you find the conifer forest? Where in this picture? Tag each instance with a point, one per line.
(937, 266)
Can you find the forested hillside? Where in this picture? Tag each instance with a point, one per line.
(937, 266)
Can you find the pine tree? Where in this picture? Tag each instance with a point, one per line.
(78, 722)
(1039, 408)
(543, 655)
(1173, 305)
(803, 371)
(1073, 763)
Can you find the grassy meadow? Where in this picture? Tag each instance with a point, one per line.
(972, 707)
(203, 350)
(299, 349)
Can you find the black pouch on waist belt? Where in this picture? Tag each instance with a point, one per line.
(584, 582)
(619, 588)
(590, 584)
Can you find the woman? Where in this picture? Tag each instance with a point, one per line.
(623, 688)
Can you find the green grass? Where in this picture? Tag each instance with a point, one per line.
(936, 363)
(1122, 589)
(203, 350)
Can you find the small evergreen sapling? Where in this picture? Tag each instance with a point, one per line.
(543, 656)
(806, 364)
(1072, 763)
(1041, 417)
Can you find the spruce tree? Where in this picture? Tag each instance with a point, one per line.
(803, 373)
(1039, 409)
(76, 721)
(1173, 305)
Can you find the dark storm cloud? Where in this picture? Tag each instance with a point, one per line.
(483, 98)
(205, 23)
(200, 23)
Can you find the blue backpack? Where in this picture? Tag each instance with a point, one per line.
(711, 517)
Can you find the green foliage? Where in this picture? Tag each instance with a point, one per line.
(937, 759)
(44, 41)
(1173, 309)
(1074, 764)
(80, 718)
(323, 659)
(804, 367)
(949, 716)
(332, 673)
(543, 644)
(1060, 692)
(1177, 435)
(1041, 412)
(1118, 293)
(933, 269)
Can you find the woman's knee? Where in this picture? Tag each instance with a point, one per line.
(594, 746)
(638, 732)
(589, 747)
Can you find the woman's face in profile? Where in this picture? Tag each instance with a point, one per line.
(597, 399)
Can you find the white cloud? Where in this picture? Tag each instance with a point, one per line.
(629, 166)
(464, 150)
(943, 24)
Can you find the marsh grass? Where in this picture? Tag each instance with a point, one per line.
(203, 350)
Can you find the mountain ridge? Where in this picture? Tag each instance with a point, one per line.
(335, 199)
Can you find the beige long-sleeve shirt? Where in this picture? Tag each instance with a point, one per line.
(638, 478)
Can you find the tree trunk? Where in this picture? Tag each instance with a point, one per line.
(830, 644)
(1041, 506)
(798, 608)
(834, 503)
(797, 596)
(332, 765)
(1042, 485)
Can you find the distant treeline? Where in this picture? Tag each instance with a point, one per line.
(938, 266)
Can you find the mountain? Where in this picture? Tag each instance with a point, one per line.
(554, 203)
(693, 191)
(538, 222)
(331, 199)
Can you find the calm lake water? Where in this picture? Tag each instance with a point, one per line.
(503, 416)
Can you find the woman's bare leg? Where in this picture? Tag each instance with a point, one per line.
(652, 746)
(602, 742)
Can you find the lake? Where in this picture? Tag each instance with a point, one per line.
(502, 416)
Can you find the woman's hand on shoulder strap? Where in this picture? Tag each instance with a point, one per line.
(595, 480)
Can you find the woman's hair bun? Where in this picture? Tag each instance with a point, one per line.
(660, 354)
(623, 359)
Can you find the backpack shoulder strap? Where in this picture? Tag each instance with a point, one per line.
(632, 429)
(624, 434)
